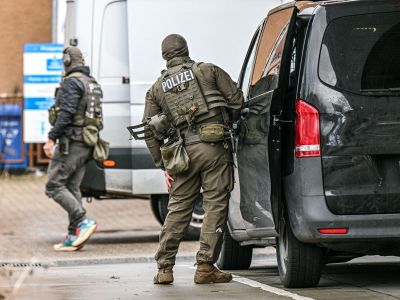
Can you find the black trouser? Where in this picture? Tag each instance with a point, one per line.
(65, 174)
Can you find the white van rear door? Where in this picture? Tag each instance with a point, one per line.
(110, 61)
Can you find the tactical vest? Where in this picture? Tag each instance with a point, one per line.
(187, 102)
(89, 110)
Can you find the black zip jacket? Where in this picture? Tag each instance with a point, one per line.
(69, 95)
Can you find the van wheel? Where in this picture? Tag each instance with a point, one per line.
(193, 231)
(154, 199)
(300, 265)
(234, 256)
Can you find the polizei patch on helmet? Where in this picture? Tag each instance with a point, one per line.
(177, 81)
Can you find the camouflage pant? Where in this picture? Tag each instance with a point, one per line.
(211, 169)
(65, 174)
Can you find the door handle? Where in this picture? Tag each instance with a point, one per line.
(276, 119)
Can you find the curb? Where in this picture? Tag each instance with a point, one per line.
(102, 261)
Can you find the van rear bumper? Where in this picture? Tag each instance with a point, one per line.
(308, 211)
(315, 215)
(134, 175)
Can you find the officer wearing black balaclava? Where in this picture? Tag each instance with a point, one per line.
(200, 100)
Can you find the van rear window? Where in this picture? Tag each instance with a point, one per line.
(361, 53)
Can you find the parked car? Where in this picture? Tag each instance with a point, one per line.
(319, 151)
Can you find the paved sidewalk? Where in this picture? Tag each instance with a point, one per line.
(30, 223)
(119, 281)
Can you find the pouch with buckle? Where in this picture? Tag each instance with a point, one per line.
(212, 133)
(175, 157)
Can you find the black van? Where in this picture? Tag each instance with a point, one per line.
(319, 150)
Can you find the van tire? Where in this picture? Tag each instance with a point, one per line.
(300, 265)
(154, 207)
(233, 256)
(193, 231)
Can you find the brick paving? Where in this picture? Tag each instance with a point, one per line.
(30, 223)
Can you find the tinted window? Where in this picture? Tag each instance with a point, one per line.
(361, 53)
(270, 33)
(274, 63)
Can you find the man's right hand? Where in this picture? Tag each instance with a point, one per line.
(48, 148)
(168, 180)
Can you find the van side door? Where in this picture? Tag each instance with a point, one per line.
(258, 157)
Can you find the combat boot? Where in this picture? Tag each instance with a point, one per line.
(164, 276)
(207, 273)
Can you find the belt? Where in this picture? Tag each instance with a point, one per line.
(192, 139)
(190, 136)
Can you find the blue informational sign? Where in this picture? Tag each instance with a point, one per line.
(42, 74)
(54, 64)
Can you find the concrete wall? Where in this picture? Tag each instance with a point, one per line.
(21, 21)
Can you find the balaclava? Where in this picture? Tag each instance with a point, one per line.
(174, 45)
(72, 58)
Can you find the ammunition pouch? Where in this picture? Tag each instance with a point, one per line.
(212, 133)
(174, 156)
(97, 122)
(53, 111)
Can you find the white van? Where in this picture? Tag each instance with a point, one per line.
(121, 41)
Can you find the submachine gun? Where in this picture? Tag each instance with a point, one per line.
(158, 126)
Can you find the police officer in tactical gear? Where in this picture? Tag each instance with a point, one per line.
(77, 108)
(201, 101)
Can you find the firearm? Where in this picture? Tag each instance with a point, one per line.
(64, 145)
(158, 126)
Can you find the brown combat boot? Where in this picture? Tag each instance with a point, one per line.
(207, 273)
(164, 276)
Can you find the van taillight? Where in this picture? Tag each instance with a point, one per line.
(307, 130)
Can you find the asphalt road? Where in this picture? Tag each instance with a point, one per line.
(367, 278)
(117, 263)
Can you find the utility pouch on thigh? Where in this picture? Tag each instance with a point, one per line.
(175, 157)
(212, 133)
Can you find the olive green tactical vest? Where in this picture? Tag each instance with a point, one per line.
(187, 102)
